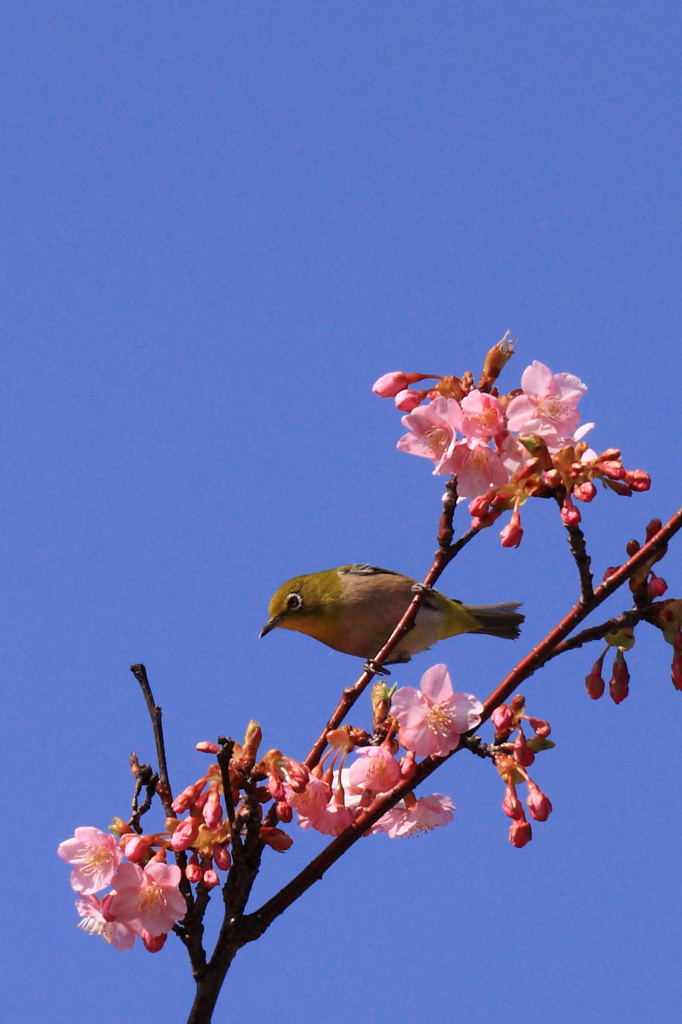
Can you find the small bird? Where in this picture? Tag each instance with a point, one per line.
(355, 608)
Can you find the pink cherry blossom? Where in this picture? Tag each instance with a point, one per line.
(335, 820)
(433, 718)
(432, 431)
(95, 856)
(148, 897)
(483, 416)
(477, 467)
(120, 935)
(548, 405)
(309, 801)
(376, 769)
(425, 814)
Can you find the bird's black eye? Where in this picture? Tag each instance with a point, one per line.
(294, 602)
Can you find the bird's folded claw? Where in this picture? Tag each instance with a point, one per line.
(378, 670)
(417, 588)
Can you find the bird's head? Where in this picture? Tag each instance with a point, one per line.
(305, 603)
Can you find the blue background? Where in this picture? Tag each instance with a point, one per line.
(221, 222)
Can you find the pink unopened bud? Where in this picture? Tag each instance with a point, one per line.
(585, 491)
(520, 833)
(511, 805)
(620, 679)
(523, 755)
(570, 515)
(275, 838)
(209, 878)
(503, 720)
(391, 384)
(406, 401)
(656, 587)
(213, 811)
(137, 848)
(153, 943)
(594, 684)
(206, 747)
(185, 834)
(193, 871)
(539, 726)
(538, 804)
(284, 812)
(638, 480)
(512, 533)
(221, 856)
(188, 796)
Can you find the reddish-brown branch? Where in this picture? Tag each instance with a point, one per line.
(255, 924)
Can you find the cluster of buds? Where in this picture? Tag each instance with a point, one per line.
(666, 615)
(512, 758)
(506, 448)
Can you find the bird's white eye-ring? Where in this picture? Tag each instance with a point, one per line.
(294, 602)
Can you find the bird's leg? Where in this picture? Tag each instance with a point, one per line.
(418, 588)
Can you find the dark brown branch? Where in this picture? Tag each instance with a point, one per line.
(155, 713)
(576, 540)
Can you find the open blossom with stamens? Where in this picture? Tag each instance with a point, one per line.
(95, 855)
(548, 405)
(432, 431)
(120, 935)
(376, 769)
(478, 467)
(410, 817)
(148, 897)
(483, 416)
(433, 718)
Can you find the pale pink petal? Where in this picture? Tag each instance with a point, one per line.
(436, 684)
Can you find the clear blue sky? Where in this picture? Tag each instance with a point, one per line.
(220, 223)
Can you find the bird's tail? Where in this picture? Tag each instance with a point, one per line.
(498, 619)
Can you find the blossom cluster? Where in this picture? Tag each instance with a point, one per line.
(145, 897)
(425, 722)
(504, 449)
(144, 901)
(513, 760)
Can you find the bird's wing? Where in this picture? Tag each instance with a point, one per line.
(366, 570)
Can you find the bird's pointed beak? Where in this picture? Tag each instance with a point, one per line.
(270, 625)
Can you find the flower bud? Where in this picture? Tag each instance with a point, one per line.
(275, 838)
(206, 747)
(209, 878)
(193, 871)
(620, 679)
(391, 384)
(284, 812)
(185, 834)
(523, 755)
(137, 848)
(252, 741)
(539, 805)
(503, 719)
(512, 534)
(520, 833)
(407, 400)
(594, 684)
(511, 805)
(153, 943)
(656, 587)
(221, 856)
(539, 727)
(570, 515)
(585, 491)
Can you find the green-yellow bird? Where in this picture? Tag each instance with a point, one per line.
(355, 608)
